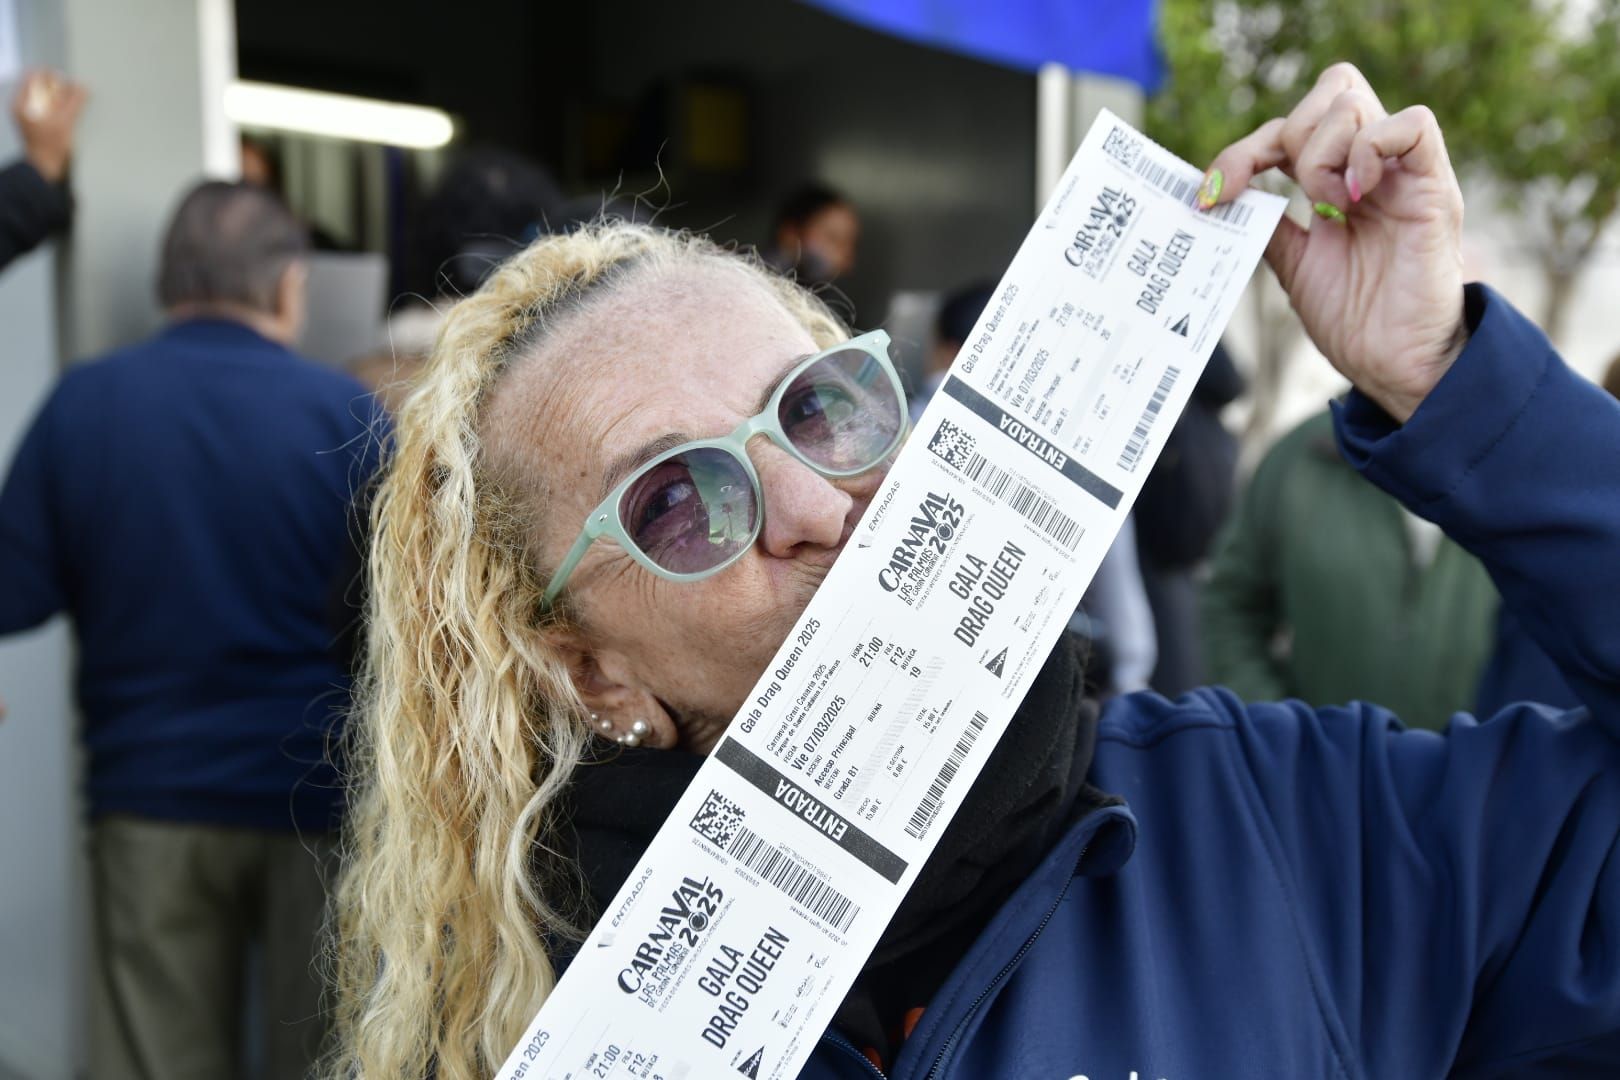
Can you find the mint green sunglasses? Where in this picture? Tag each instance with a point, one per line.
(694, 510)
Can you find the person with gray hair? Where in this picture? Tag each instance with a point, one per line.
(234, 251)
(185, 501)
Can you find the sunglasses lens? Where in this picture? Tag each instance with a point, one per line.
(843, 412)
(691, 512)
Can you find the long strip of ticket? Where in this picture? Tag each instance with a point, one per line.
(747, 920)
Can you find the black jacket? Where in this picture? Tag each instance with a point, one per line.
(31, 208)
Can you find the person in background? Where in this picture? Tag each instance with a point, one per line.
(1117, 617)
(34, 198)
(958, 313)
(815, 236)
(1327, 590)
(184, 501)
(1179, 512)
(261, 167)
(488, 204)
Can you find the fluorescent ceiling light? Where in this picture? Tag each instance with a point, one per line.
(338, 116)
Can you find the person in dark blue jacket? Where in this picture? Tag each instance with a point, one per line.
(1173, 890)
(184, 501)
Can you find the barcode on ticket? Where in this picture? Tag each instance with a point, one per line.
(1029, 503)
(782, 871)
(1132, 454)
(1183, 190)
(927, 810)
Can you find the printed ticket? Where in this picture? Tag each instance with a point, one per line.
(748, 919)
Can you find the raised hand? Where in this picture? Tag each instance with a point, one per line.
(1377, 279)
(46, 110)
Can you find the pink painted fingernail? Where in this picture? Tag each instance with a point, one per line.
(1353, 184)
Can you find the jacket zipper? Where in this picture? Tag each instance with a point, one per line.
(837, 1038)
(1006, 969)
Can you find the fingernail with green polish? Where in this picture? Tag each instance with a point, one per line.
(1210, 189)
(1329, 211)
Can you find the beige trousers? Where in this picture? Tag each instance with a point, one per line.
(176, 909)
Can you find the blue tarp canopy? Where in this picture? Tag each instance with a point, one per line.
(1107, 37)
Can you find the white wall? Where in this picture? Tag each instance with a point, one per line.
(40, 909)
(1498, 254)
(153, 125)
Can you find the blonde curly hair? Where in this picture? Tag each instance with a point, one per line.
(467, 727)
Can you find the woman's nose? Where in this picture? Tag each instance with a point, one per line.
(802, 508)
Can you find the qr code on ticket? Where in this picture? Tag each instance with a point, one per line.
(952, 445)
(718, 820)
(1122, 146)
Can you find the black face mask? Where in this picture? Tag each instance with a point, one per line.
(814, 270)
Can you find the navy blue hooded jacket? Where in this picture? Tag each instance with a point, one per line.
(185, 500)
(1519, 671)
(1298, 893)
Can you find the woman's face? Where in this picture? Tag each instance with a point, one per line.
(669, 356)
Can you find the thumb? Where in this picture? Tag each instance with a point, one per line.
(1285, 250)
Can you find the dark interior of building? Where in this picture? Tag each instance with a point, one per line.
(707, 127)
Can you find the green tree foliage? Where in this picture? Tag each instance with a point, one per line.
(1235, 63)
(1559, 162)
(1528, 95)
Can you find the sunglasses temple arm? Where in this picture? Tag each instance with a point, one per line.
(566, 567)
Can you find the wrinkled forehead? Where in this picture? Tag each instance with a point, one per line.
(670, 350)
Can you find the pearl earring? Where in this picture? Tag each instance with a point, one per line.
(637, 731)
